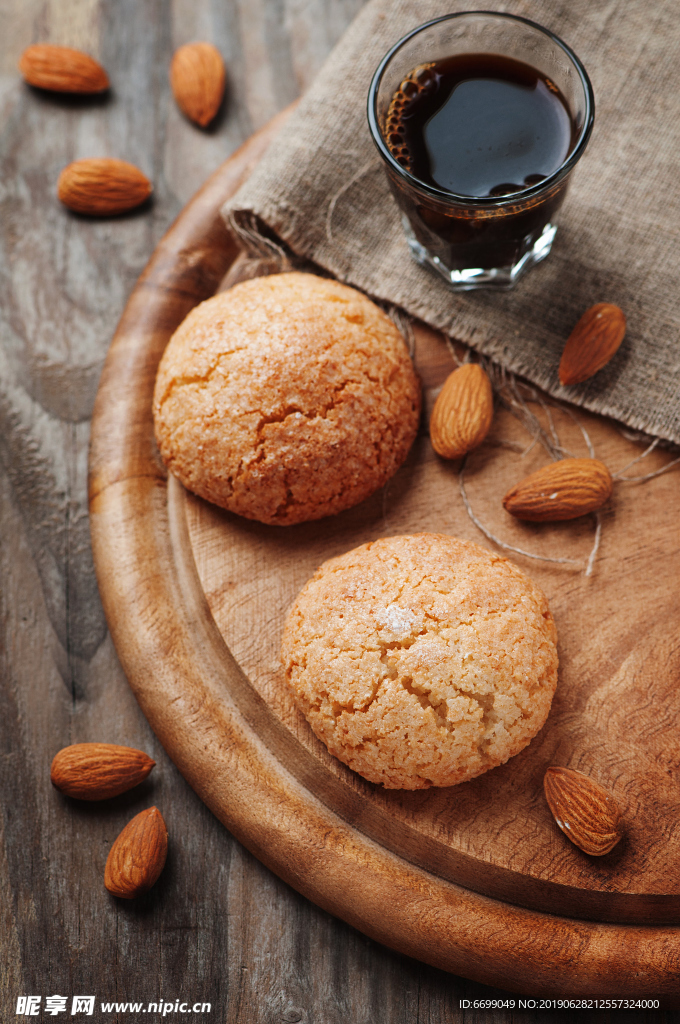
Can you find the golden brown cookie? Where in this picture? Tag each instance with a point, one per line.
(421, 660)
(287, 398)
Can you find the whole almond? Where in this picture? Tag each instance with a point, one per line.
(98, 771)
(592, 343)
(585, 812)
(463, 412)
(197, 78)
(102, 187)
(137, 857)
(61, 69)
(562, 490)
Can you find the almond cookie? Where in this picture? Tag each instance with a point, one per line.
(286, 398)
(421, 660)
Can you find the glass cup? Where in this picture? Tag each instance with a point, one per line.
(481, 241)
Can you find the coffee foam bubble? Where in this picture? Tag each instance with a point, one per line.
(418, 83)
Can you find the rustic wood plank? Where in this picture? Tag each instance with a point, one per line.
(219, 926)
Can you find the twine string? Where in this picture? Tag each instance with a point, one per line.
(497, 540)
(246, 228)
(341, 191)
(596, 543)
(404, 323)
(647, 476)
(515, 396)
(650, 448)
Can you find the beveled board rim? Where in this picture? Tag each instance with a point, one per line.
(180, 671)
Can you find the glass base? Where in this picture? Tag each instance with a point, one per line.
(502, 278)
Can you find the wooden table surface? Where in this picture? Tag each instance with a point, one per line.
(218, 928)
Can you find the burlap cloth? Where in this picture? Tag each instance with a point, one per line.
(321, 190)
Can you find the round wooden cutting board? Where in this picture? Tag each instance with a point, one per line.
(475, 879)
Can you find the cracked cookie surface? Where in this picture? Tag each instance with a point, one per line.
(285, 399)
(421, 660)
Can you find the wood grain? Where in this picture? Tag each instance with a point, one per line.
(218, 925)
(249, 756)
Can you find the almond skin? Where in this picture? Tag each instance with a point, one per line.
(98, 771)
(592, 343)
(585, 812)
(197, 79)
(137, 857)
(61, 69)
(102, 187)
(463, 412)
(562, 490)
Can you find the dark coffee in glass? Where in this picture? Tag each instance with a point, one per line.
(479, 144)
